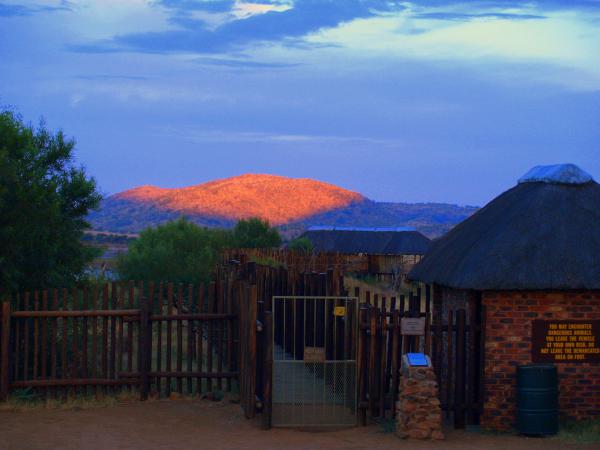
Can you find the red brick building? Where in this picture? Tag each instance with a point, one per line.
(527, 261)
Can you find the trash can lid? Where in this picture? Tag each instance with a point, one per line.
(537, 366)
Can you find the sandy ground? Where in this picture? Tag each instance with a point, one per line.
(199, 424)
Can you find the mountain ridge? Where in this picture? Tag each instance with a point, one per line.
(292, 204)
(249, 195)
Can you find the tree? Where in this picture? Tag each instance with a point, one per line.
(255, 233)
(44, 201)
(183, 252)
(178, 251)
(301, 244)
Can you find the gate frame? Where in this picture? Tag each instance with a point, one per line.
(271, 328)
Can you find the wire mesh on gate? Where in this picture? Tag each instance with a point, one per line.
(314, 361)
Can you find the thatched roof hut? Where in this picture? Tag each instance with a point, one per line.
(544, 233)
(529, 260)
(375, 241)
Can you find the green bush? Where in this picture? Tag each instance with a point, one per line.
(301, 244)
(183, 252)
(255, 233)
(178, 251)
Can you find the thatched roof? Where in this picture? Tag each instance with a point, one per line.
(379, 241)
(543, 233)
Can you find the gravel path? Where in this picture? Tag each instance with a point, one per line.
(201, 424)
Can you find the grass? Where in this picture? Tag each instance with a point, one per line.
(20, 401)
(581, 432)
(491, 431)
(369, 279)
(387, 425)
(267, 262)
(25, 400)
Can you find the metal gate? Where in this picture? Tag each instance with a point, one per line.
(314, 361)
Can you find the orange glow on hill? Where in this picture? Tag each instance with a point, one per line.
(278, 199)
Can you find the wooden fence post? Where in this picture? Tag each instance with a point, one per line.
(4, 346)
(252, 337)
(395, 358)
(267, 369)
(373, 335)
(145, 347)
(362, 365)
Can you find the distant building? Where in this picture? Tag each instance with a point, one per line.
(390, 249)
(369, 240)
(528, 261)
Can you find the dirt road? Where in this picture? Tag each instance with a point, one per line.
(201, 424)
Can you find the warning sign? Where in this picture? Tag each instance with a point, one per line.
(410, 326)
(565, 341)
(339, 311)
(314, 354)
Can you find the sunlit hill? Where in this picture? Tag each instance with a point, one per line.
(290, 203)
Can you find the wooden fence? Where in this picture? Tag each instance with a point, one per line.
(453, 344)
(153, 339)
(159, 338)
(321, 262)
(453, 340)
(299, 262)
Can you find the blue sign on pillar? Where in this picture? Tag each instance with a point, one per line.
(417, 359)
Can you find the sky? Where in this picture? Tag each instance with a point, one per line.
(413, 101)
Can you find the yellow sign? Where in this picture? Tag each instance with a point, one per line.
(339, 311)
(567, 341)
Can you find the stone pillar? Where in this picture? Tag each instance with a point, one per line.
(418, 412)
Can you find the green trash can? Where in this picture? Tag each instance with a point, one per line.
(537, 399)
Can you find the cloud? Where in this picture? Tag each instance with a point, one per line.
(466, 16)
(15, 10)
(544, 5)
(223, 136)
(130, 90)
(559, 48)
(569, 4)
(213, 6)
(244, 10)
(98, 47)
(109, 77)
(490, 37)
(254, 25)
(242, 63)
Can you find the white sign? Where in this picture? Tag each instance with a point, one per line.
(410, 326)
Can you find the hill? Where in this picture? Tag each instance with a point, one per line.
(290, 203)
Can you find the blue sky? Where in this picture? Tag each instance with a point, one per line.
(402, 101)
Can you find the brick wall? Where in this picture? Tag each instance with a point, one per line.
(508, 344)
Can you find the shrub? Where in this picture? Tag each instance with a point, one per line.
(301, 244)
(178, 251)
(255, 233)
(183, 252)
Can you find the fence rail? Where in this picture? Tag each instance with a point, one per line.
(148, 338)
